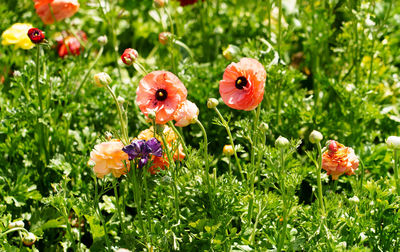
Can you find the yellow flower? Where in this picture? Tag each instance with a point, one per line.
(17, 35)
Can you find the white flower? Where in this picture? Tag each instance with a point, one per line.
(393, 142)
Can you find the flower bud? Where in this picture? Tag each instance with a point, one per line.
(108, 135)
(212, 103)
(231, 52)
(393, 142)
(315, 137)
(15, 224)
(29, 239)
(120, 100)
(160, 3)
(102, 79)
(333, 146)
(228, 150)
(102, 40)
(36, 35)
(282, 142)
(129, 56)
(164, 37)
(354, 199)
(264, 126)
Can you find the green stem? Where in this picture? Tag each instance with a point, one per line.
(88, 72)
(396, 171)
(207, 167)
(97, 207)
(124, 129)
(319, 184)
(179, 136)
(66, 213)
(174, 187)
(146, 191)
(121, 220)
(284, 200)
(13, 230)
(138, 197)
(185, 47)
(231, 141)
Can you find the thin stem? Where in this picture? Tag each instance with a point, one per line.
(124, 129)
(284, 200)
(179, 136)
(207, 168)
(97, 208)
(231, 141)
(174, 187)
(184, 46)
(121, 220)
(88, 72)
(13, 230)
(66, 213)
(396, 171)
(319, 184)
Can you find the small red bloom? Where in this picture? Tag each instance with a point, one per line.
(187, 2)
(36, 35)
(70, 45)
(129, 56)
(164, 37)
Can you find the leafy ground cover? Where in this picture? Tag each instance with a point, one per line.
(300, 160)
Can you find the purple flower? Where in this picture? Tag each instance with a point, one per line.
(142, 149)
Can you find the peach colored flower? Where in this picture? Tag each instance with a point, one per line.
(48, 10)
(242, 86)
(339, 160)
(108, 157)
(160, 92)
(186, 114)
(160, 163)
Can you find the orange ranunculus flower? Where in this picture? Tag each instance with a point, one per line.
(17, 35)
(339, 159)
(172, 141)
(160, 92)
(48, 10)
(242, 86)
(186, 114)
(108, 157)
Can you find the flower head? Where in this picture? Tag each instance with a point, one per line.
(129, 56)
(242, 86)
(339, 160)
(212, 103)
(164, 37)
(160, 92)
(160, 3)
(393, 142)
(70, 44)
(228, 150)
(17, 35)
(102, 79)
(186, 114)
(48, 10)
(36, 35)
(231, 52)
(29, 238)
(315, 137)
(108, 157)
(160, 163)
(282, 142)
(142, 149)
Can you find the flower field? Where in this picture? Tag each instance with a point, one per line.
(186, 125)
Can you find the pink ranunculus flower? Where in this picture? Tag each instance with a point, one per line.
(108, 157)
(186, 114)
(339, 159)
(48, 10)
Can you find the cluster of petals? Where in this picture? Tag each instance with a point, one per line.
(142, 149)
(160, 163)
(108, 157)
(160, 92)
(339, 159)
(17, 35)
(69, 44)
(55, 10)
(242, 86)
(36, 35)
(186, 114)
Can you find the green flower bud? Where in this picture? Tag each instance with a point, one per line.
(212, 103)
(315, 137)
(282, 142)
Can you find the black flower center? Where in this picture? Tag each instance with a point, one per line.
(36, 33)
(241, 82)
(161, 94)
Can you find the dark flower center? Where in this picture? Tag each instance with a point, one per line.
(241, 82)
(36, 33)
(161, 94)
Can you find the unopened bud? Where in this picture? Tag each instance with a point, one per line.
(102, 79)
(15, 224)
(164, 37)
(231, 52)
(102, 40)
(29, 239)
(281, 142)
(129, 56)
(160, 3)
(120, 100)
(264, 126)
(315, 137)
(212, 103)
(333, 146)
(228, 150)
(393, 142)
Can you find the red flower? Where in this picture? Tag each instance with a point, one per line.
(36, 35)
(129, 56)
(70, 45)
(187, 2)
(48, 10)
(242, 86)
